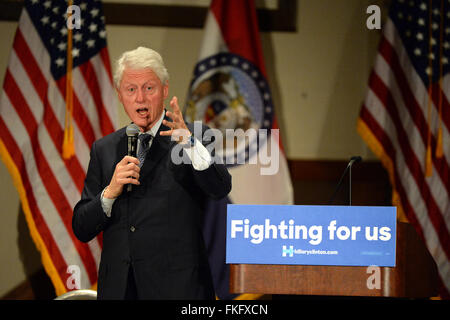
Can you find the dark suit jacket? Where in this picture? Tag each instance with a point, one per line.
(155, 228)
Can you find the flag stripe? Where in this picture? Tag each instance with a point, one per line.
(213, 41)
(82, 148)
(389, 150)
(379, 112)
(46, 211)
(82, 91)
(241, 38)
(44, 202)
(32, 99)
(417, 113)
(41, 88)
(79, 115)
(413, 164)
(35, 74)
(50, 182)
(15, 124)
(93, 86)
(409, 202)
(106, 87)
(107, 65)
(436, 90)
(46, 236)
(73, 165)
(393, 40)
(28, 61)
(436, 183)
(26, 38)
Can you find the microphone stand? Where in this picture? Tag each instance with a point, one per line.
(350, 185)
(347, 169)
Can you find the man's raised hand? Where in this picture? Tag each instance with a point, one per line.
(178, 129)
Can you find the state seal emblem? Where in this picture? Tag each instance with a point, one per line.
(230, 94)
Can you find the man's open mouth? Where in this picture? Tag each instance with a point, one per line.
(142, 111)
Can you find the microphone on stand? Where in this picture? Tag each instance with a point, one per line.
(352, 161)
(132, 138)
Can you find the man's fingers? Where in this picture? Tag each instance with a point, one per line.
(133, 166)
(128, 159)
(129, 180)
(175, 118)
(166, 133)
(176, 132)
(128, 173)
(178, 129)
(174, 105)
(169, 124)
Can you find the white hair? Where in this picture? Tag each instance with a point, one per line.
(141, 58)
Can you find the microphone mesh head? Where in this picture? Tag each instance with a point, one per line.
(132, 130)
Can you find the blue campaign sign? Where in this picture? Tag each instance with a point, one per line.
(311, 235)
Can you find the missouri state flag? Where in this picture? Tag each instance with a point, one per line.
(230, 93)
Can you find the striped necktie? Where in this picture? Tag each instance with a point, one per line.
(144, 140)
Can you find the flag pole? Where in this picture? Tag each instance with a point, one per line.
(68, 149)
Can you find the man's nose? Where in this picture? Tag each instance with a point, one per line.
(139, 95)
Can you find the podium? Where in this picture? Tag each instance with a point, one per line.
(415, 275)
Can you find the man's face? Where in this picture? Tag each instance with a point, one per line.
(142, 95)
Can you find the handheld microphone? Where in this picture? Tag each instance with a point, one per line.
(132, 138)
(352, 161)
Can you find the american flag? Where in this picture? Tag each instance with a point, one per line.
(58, 82)
(405, 119)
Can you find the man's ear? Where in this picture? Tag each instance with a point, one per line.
(166, 90)
(118, 94)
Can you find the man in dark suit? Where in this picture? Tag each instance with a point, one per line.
(152, 242)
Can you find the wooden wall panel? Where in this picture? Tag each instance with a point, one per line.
(315, 181)
(282, 19)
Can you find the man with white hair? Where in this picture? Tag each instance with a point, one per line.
(152, 242)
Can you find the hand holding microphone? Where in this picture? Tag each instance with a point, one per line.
(127, 170)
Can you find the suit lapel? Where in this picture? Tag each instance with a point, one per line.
(122, 148)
